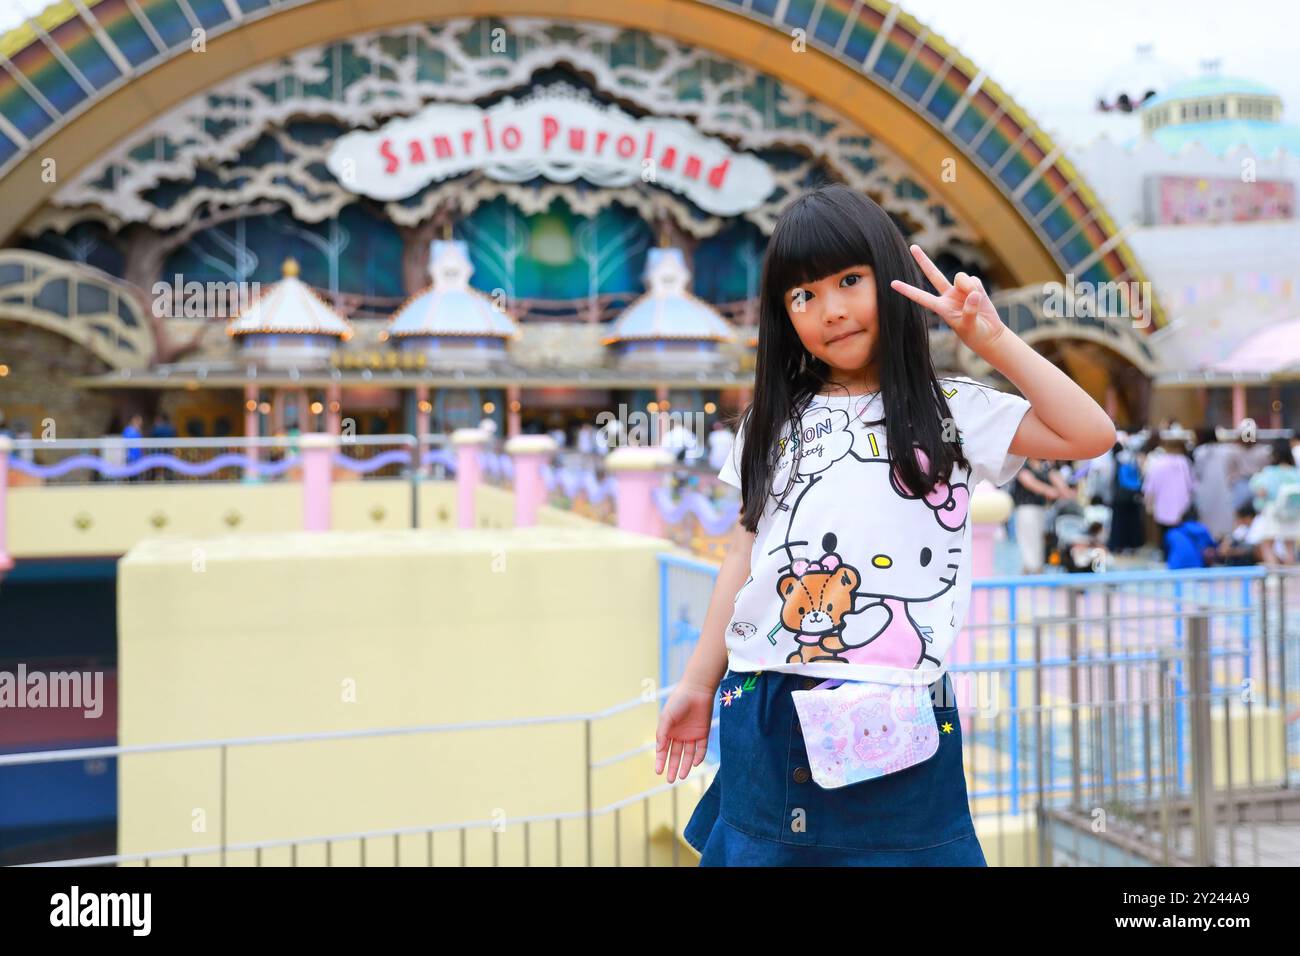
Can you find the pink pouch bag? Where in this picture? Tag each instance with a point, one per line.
(859, 730)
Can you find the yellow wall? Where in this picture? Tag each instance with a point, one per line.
(263, 634)
(76, 520)
(70, 520)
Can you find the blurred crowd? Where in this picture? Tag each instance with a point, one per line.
(1166, 495)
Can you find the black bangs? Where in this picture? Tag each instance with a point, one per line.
(814, 240)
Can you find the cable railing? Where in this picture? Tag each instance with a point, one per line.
(1164, 704)
(525, 827)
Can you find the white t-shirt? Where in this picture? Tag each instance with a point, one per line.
(852, 577)
(720, 442)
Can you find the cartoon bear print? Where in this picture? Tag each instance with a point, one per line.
(815, 597)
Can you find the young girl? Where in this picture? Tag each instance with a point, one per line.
(851, 556)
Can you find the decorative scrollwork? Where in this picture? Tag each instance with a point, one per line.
(241, 141)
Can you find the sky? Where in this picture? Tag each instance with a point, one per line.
(1055, 57)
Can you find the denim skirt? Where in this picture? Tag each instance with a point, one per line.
(764, 808)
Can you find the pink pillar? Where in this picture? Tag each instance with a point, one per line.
(333, 408)
(530, 453)
(1238, 404)
(421, 426)
(317, 452)
(989, 509)
(637, 472)
(252, 428)
(6, 562)
(1274, 407)
(514, 425)
(468, 443)
(421, 413)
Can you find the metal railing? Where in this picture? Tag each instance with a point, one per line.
(1134, 718)
(70, 461)
(75, 461)
(525, 827)
(1123, 717)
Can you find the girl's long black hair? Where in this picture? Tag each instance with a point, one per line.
(818, 234)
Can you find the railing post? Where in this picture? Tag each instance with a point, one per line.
(468, 443)
(224, 795)
(637, 472)
(1040, 755)
(1076, 761)
(587, 753)
(1282, 665)
(6, 562)
(1202, 783)
(317, 465)
(529, 452)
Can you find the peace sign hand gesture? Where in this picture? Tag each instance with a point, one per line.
(963, 304)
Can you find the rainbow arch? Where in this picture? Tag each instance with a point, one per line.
(77, 54)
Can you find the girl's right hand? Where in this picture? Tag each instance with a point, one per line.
(683, 730)
(962, 304)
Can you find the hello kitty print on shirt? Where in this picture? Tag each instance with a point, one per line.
(855, 575)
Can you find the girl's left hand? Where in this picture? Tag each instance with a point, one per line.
(962, 304)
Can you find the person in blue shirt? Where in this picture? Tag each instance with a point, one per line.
(1190, 543)
(133, 450)
(163, 427)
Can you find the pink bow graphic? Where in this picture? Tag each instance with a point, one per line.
(949, 503)
(829, 562)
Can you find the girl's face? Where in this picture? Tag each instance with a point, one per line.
(836, 318)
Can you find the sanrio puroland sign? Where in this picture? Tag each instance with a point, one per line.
(556, 134)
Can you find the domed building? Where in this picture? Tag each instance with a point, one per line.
(289, 326)
(453, 325)
(668, 327)
(1206, 185)
(1219, 113)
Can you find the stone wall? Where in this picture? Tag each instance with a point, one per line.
(38, 385)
